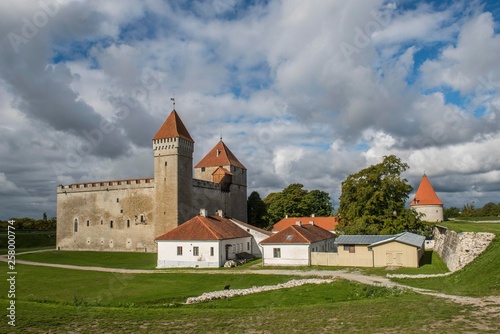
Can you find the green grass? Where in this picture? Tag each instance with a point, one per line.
(62, 300)
(29, 239)
(122, 260)
(261, 313)
(479, 278)
(463, 226)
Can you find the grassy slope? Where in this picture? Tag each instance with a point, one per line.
(61, 300)
(479, 278)
(98, 259)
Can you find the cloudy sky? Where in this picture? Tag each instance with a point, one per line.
(301, 91)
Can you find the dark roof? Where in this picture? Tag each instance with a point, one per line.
(295, 234)
(360, 239)
(220, 155)
(205, 228)
(425, 194)
(173, 128)
(407, 238)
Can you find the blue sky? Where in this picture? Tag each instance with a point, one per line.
(301, 91)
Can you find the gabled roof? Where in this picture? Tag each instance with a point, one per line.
(360, 239)
(220, 155)
(173, 128)
(407, 238)
(205, 228)
(251, 227)
(425, 194)
(295, 234)
(328, 223)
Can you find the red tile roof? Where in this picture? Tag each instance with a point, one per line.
(294, 234)
(220, 155)
(328, 223)
(425, 194)
(173, 127)
(205, 228)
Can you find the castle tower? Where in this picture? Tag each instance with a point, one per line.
(221, 166)
(173, 174)
(427, 202)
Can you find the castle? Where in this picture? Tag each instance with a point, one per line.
(127, 215)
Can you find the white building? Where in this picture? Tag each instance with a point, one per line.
(294, 244)
(203, 241)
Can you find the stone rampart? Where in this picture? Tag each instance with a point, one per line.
(459, 249)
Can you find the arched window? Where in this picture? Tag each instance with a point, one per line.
(75, 225)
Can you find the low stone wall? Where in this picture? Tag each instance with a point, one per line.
(459, 249)
(207, 296)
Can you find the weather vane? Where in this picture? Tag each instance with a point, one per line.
(173, 101)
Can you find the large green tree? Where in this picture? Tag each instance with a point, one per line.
(256, 210)
(295, 201)
(373, 200)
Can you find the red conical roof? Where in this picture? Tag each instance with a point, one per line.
(172, 128)
(220, 155)
(425, 194)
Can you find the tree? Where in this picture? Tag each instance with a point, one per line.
(451, 212)
(295, 201)
(373, 201)
(256, 210)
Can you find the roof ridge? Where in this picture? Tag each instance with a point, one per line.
(208, 227)
(302, 235)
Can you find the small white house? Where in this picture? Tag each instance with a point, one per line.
(293, 245)
(203, 241)
(258, 235)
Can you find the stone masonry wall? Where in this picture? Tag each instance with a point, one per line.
(459, 249)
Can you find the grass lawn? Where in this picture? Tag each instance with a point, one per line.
(29, 240)
(62, 300)
(479, 278)
(122, 260)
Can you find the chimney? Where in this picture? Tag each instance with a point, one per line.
(311, 222)
(298, 223)
(286, 216)
(203, 212)
(313, 215)
(220, 213)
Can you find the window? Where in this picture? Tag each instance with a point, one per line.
(117, 200)
(211, 251)
(196, 251)
(121, 211)
(350, 248)
(248, 246)
(75, 225)
(179, 250)
(110, 224)
(276, 252)
(142, 218)
(128, 222)
(88, 222)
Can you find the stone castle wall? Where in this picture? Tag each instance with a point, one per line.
(459, 249)
(106, 216)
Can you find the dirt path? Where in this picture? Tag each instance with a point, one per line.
(490, 304)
